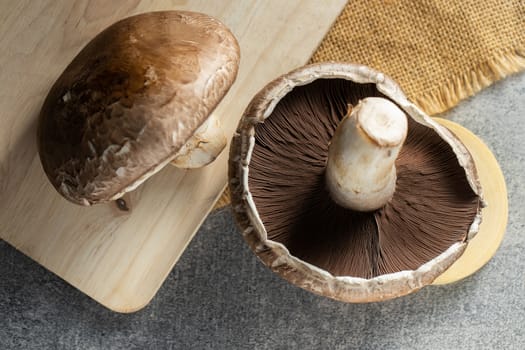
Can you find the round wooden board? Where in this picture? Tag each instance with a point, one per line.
(494, 216)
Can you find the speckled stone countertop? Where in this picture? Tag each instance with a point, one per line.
(219, 296)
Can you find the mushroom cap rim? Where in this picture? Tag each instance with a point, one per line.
(302, 273)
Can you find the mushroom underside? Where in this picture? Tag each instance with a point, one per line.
(432, 208)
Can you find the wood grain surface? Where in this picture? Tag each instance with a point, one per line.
(494, 216)
(121, 259)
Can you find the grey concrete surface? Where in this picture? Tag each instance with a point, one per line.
(220, 297)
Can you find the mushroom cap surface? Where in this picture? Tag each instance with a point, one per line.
(290, 259)
(131, 99)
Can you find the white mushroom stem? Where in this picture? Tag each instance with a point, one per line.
(361, 173)
(203, 147)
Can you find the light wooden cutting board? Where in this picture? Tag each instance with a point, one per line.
(121, 259)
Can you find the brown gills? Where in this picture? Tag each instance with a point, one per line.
(432, 208)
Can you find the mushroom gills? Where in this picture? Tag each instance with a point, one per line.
(431, 209)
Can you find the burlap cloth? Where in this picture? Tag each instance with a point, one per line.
(439, 51)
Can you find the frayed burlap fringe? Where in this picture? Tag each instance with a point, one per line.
(456, 89)
(432, 48)
(470, 82)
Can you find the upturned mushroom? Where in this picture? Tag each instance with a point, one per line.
(138, 96)
(345, 188)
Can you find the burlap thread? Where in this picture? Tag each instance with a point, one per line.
(439, 51)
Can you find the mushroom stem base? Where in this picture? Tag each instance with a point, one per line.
(360, 172)
(203, 147)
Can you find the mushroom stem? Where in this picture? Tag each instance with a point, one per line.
(360, 172)
(203, 147)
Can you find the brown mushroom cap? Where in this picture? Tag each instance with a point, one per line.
(131, 99)
(279, 196)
